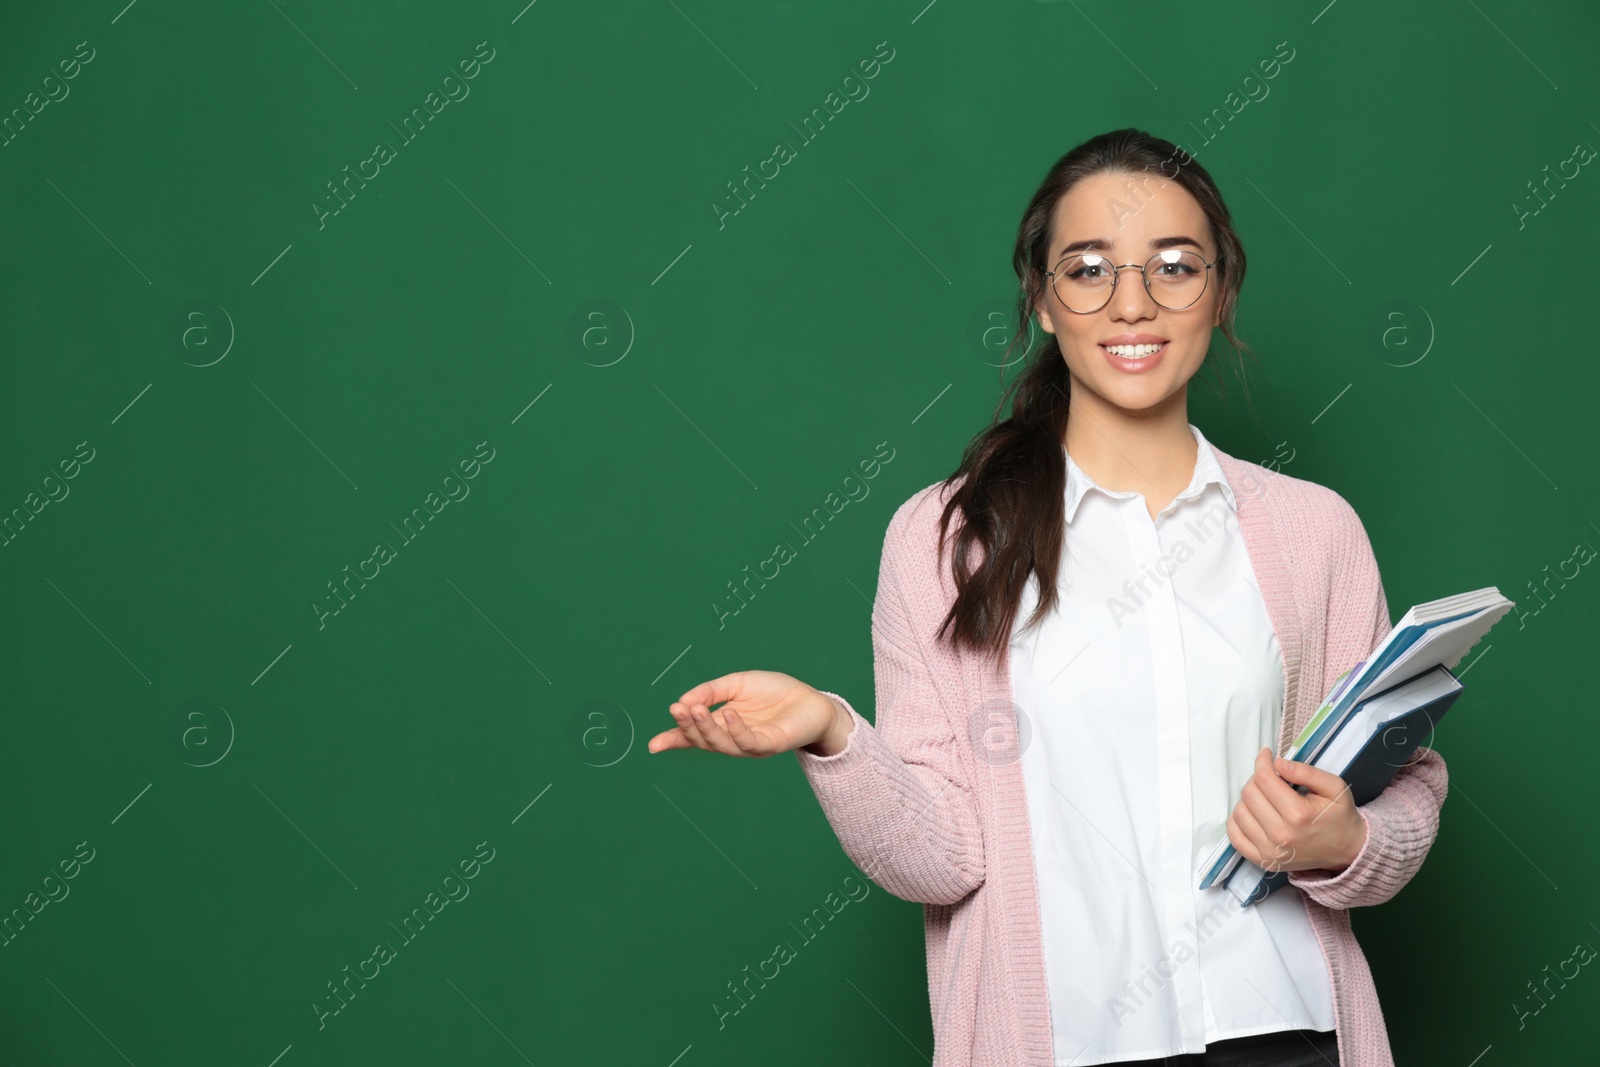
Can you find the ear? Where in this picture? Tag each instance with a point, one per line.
(1041, 309)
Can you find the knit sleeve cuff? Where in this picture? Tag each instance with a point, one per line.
(845, 757)
(1372, 877)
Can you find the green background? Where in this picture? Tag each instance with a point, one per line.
(665, 398)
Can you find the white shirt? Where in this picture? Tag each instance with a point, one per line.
(1148, 693)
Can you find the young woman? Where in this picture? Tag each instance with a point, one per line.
(1089, 642)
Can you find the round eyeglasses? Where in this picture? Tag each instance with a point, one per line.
(1175, 278)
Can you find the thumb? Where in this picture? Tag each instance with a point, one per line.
(716, 691)
(1321, 782)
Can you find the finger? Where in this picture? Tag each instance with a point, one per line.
(1271, 843)
(1322, 783)
(1264, 846)
(1279, 788)
(687, 724)
(1241, 840)
(1279, 793)
(713, 732)
(715, 691)
(673, 738)
(698, 716)
(1264, 769)
(747, 739)
(1266, 814)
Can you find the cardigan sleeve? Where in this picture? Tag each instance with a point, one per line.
(1403, 820)
(898, 795)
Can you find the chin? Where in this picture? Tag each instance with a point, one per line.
(1142, 405)
(1142, 396)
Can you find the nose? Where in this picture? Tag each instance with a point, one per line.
(1129, 297)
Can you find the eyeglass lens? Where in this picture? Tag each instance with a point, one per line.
(1176, 278)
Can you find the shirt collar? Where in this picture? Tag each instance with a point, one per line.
(1206, 471)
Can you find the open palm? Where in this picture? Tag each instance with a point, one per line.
(763, 713)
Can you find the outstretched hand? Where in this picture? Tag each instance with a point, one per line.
(1278, 829)
(765, 713)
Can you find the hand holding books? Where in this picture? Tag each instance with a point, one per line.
(1278, 827)
(1375, 716)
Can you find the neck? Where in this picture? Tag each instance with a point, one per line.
(1152, 453)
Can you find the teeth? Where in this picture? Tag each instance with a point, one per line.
(1132, 351)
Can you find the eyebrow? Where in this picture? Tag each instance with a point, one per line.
(1100, 244)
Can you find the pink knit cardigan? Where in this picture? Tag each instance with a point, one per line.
(931, 806)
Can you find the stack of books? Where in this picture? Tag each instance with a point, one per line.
(1375, 716)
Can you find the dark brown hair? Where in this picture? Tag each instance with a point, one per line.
(1012, 497)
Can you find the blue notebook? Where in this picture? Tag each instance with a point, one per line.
(1433, 634)
(1374, 742)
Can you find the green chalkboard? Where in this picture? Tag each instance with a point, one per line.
(394, 392)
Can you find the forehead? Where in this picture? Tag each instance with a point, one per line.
(1128, 213)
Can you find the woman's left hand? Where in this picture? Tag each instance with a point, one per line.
(1278, 829)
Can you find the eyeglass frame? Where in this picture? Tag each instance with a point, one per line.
(1116, 276)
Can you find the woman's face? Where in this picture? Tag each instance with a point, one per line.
(1127, 219)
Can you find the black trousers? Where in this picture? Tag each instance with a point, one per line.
(1280, 1048)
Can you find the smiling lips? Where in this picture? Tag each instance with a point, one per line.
(1134, 352)
(1123, 341)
